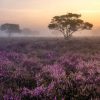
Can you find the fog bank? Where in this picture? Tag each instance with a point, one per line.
(50, 33)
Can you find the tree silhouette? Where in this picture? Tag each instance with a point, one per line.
(10, 28)
(68, 24)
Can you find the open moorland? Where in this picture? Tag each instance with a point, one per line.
(49, 69)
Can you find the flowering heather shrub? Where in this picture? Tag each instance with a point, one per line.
(50, 70)
(10, 95)
(56, 71)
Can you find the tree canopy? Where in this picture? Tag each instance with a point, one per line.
(68, 24)
(10, 28)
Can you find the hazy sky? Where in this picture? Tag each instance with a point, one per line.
(38, 13)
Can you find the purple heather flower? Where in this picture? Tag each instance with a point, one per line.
(38, 91)
(55, 70)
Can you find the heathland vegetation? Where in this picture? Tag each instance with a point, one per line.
(49, 69)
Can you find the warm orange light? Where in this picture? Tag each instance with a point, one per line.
(39, 12)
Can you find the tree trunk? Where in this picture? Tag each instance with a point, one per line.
(67, 35)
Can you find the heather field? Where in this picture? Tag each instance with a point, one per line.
(49, 69)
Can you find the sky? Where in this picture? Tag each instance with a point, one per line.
(37, 14)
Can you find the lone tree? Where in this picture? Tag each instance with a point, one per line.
(68, 24)
(10, 28)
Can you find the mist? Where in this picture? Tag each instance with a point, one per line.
(45, 32)
(22, 34)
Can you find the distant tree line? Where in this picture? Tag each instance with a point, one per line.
(10, 28)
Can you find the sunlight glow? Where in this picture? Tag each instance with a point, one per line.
(38, 13)
(89, 11)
